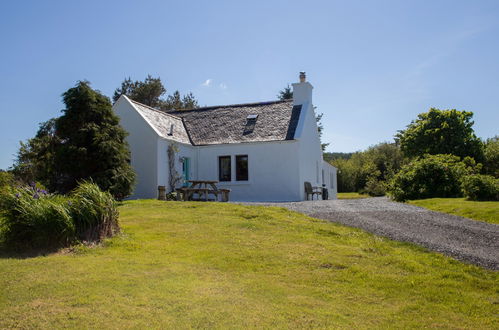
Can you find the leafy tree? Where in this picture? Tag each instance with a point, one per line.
(287, 94)
(86, 142)
(151, 91)
(369, 170)
(441, 132)
(491, 154)
(92, 144)
(346, 175)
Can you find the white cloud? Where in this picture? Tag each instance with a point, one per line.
(207, 83)
(223, 86)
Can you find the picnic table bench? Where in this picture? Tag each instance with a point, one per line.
(202, 188)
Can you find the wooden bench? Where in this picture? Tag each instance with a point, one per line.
(309, 190)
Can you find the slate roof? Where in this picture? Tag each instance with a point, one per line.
(162, 122)
(275, 121)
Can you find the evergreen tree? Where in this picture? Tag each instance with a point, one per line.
(151, 91)
(172, 102)
(148, 92)
(86, 142)
(285, 94)
(189, 102)
(35, 160)
(92, 143)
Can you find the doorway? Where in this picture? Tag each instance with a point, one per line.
(186, 169)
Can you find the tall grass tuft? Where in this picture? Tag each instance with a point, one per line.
(94, 213)
(35, 219)
(30, 218)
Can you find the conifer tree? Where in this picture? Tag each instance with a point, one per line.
(92, 143)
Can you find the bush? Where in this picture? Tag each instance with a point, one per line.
(491, 153)
(481, 187)
(6, 181)
(94, 213)
(32, 218)
(431, 176)
(375, 187)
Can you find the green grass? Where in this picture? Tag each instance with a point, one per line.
(184, 265)
(352, 195)
(482, 211)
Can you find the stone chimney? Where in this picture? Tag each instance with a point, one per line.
(302, 91)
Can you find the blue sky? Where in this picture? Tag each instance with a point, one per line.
(374, 64)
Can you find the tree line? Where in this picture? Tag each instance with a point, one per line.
(436, 155)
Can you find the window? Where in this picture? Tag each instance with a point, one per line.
(242, 168)
(250, 124)
(224, 168)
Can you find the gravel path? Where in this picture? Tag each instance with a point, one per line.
(464, 239)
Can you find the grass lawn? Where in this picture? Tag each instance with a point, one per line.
(483, 211)
(183, 265)
(351, 195)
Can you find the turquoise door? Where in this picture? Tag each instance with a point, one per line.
(186, 169)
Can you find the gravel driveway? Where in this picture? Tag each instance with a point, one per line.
(464, 239)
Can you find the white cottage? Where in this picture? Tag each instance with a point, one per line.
(262, 151)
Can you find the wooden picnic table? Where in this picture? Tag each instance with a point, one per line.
(202, 188)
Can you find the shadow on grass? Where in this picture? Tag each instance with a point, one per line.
(7, 252)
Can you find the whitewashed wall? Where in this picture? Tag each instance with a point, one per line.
(310, 153)
(273, 173)
(143, 146)
(330, 176)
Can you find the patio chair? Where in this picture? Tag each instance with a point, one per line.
(309, 190)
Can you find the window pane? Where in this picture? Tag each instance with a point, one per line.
(224, 168)
(242, 168)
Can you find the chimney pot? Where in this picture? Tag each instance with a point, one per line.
(303, 77)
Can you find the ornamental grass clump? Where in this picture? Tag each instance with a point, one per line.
(94, 213)
(32, 218)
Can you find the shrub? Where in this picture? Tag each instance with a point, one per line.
(6, 179)
(375, 187)
(431, 176)
(479, 187)
(34, 219)
(94, 213)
